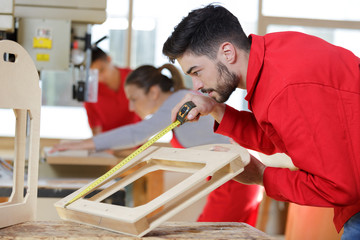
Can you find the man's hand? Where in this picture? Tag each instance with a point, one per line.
(204, 106)
(253, 172)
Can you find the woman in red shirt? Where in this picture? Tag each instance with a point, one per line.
(112, 107)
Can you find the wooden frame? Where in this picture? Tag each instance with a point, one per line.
(137, 221)
(20, 91)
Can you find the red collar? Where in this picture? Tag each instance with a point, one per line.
(256, 60)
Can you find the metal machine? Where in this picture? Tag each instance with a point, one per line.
(57, 35)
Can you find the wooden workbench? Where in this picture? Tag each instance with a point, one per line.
(170, 230)
(67, 167)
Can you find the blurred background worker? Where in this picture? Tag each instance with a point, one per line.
(111, 109)
(152, 95)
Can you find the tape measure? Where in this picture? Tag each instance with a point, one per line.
(180, 119)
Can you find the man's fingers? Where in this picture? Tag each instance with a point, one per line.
(204, 106)
(176, 110)
(193, 114)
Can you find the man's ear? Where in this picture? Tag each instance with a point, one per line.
(228, 52)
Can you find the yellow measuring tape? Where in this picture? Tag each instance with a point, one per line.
(123, 162)
(180, 120)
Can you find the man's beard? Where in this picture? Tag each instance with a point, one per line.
(227, 83)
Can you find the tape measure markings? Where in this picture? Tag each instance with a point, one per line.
(102, 178)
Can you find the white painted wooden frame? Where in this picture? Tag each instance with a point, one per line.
(221, 166)
(20, 91)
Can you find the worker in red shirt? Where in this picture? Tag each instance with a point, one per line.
(304, 97)
(152, 95)
(111, 109)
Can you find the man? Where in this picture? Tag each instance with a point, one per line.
(112, 107)
(304, 97)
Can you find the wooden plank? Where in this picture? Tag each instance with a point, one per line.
(8, 142)
(20, 91)
(168, 230)
(200, 163)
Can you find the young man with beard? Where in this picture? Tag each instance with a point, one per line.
(304, 97)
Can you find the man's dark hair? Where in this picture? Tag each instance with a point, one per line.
(202, 32)
(97, 53)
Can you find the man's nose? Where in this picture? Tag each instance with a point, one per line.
(197, 84)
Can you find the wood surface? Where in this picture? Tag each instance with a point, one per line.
(20, 91)
(80, 157)
(72, 168)
(169, 230)
(8, 142)
(85, 157)
(221, 166)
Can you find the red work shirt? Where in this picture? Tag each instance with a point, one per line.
(112, 107)
(304, 94)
